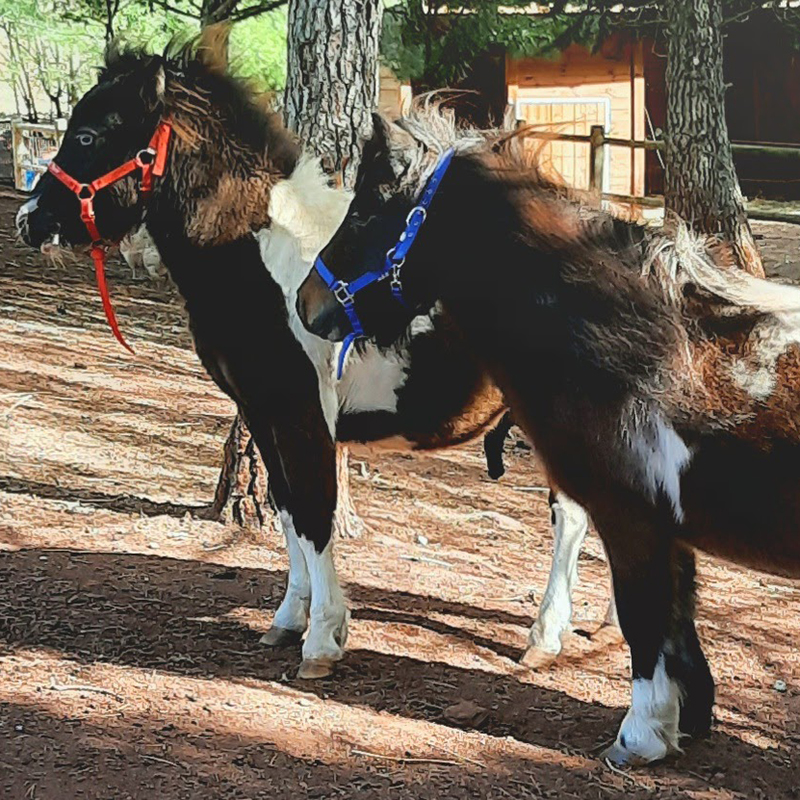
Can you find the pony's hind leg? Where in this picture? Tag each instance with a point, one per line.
(291, 619)
(672, 692)
(570, 523)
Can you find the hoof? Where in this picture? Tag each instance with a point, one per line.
(281, 637)
(608, 634)
(537, 658)
(314, 669)
(619, 756)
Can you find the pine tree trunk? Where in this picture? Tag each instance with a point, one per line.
(241, 496)
(332, 85)
(700, 183)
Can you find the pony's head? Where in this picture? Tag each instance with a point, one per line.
(225, 154)
(111, 123)
(393, 170)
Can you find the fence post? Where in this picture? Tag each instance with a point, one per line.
(597, 139)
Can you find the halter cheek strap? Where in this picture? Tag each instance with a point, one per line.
(152, 162)
(345, 291)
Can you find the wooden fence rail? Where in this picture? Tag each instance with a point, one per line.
(598, 141)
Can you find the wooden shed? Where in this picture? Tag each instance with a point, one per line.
(621, 86)
(577, 90)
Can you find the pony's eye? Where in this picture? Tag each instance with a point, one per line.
(85, 138)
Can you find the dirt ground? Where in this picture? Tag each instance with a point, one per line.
(129, 658)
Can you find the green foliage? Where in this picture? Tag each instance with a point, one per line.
(258, 49)
(423, 42)
(50, 49)
(435, 43)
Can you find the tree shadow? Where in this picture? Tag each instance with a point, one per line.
(128, 756)
(184, 617)
(122, 503)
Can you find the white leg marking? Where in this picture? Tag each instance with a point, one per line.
(327, 632)
(555, 615)
(650, 731)
(292, 615)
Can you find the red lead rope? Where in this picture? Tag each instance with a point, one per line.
(152, 162)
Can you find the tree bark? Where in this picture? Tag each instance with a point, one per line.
(242, 494)
(701, 185)
(332, 77)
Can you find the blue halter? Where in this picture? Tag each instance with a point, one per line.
(345, 292)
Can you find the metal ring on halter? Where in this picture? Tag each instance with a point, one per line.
(413, 211)
(90, 192)
(390, 258)
(140, 157)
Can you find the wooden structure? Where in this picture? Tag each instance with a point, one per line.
(394, 96)
(594, 153)
(622, 87)
(32, 148)
(579, 90)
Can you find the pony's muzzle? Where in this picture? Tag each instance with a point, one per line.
(35, 226)
(319, 310)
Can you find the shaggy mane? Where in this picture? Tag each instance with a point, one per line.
(207, 102)
(670, 259)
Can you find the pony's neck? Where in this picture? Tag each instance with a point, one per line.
(477, 254)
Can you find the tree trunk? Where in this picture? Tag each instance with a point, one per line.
(332, 77)
(700, 182)
(242, 496)
(212, 11)
(331, 91)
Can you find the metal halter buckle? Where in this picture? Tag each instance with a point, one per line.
(343, 294)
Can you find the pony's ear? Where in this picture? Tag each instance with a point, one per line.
(381, 131)
(154, 85)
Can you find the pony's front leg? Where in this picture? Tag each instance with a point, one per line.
(570, 523)
(327, 633)
(301, 460)
(672, 693)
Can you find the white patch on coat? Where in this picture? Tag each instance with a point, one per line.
(139, 250)
(327, 630)
(650, 728)
(280, 252)
(570, 524)
(292, 614)
(660, 458)
(24, 210)
(371, 380)
(373, 377)
(768, 341)
(306, 206)
(305, 212)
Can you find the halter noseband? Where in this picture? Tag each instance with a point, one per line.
(345, 291)
(152, 162)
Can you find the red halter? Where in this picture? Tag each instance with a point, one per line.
(152, 161)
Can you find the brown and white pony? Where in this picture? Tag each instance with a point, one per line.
(661, 392)
(237, 217)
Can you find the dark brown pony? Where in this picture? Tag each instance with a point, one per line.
(660, 391)
(236, 218)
